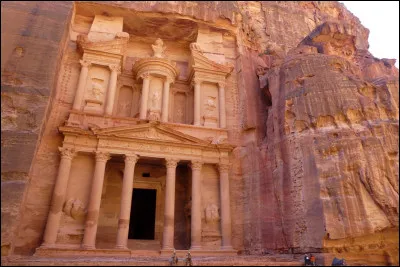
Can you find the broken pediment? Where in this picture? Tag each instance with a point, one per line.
(149, 131)
(199, 63)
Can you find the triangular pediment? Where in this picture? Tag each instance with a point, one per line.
(149, 131)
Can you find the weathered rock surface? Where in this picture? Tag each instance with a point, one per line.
(316, 163)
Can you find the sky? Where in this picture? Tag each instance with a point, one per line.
(382, 20)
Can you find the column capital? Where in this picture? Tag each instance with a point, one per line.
(102, 156)
(223, 167)
(115, 67)
(196, 164)
(85, 63)
(145, 75)
(171, 162)
(221, 84)
(67, 152)
(196, 81)
(131, 158)
(169, 80)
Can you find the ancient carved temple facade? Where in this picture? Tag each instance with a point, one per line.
(145, 159)
(232, 128)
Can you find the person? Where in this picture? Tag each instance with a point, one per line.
(174, 259)
(188, 261)
(306, 260)
(312, 260)
(338, 262)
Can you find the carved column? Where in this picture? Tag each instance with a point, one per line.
(115, 69)
(225, 206)
(222, 110)
(145, 95)
(89, 238)
(169, 210)
(165, 100)
(126, 201)
(80, 91)
(196, 205)
(197, 86)
(60, 189)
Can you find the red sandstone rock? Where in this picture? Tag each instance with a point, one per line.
(315, 163)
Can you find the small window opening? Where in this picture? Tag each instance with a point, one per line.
(146, 174)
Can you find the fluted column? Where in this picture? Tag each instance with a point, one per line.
(222, 110)
(169, 210)
(196, 205)
(80, 91)
(115, 69)
(165, 100)
(225, 206)
(89, 238)
(126, 201)
(197, 88)
(145, 95)
(58, 199)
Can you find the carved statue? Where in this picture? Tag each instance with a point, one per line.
(97, 90)
(212, 213)
(210, 105)
(154, 99)
(74, 208)
(158, 48)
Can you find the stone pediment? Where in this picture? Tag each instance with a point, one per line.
(149, 131)
(115, 46)
(201, 63)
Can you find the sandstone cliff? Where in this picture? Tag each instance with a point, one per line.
(316, 162)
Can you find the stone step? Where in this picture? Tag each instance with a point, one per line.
(153, 261)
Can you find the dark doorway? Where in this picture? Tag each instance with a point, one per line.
(143, 214)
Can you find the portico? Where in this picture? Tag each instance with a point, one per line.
(150, 140)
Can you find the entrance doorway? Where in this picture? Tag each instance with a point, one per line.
(143, 214)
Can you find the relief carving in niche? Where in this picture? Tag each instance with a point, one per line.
(211, 227)
(210, 116)
(75, 209)
(179, 108)
(96, 89)
(154, 102)
(125, 101)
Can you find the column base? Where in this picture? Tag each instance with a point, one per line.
(197, 247)
(121, 247)
(88, 247)
(226, 248)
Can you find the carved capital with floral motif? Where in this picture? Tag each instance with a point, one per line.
(221, 84)
(196, 81)
(196, 165)
(223, 167)
(115, 67)
(102, 156)
(171, 162)
(131, 158)
(85, 63)
(169, 80)
(145, 75)
(67, 153)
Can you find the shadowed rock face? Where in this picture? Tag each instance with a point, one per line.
(316, 135)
